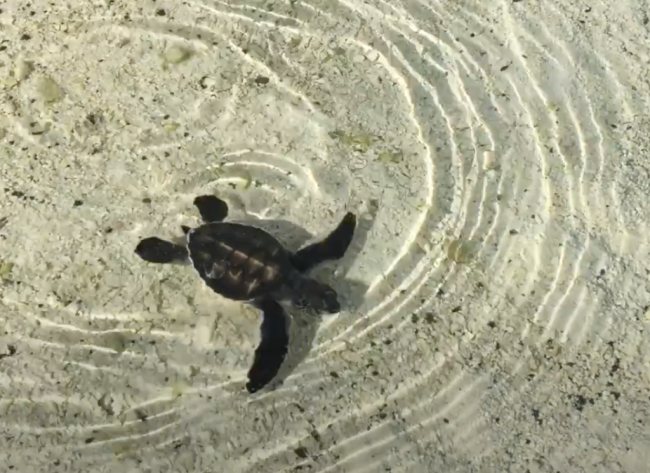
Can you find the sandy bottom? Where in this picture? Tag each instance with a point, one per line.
(496, 292)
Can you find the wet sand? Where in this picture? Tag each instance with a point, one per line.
(496, 292)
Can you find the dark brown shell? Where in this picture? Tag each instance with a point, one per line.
(238, 261)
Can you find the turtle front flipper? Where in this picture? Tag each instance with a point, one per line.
(332, 247)
(211, 208)
(156, 250)
(273, 346)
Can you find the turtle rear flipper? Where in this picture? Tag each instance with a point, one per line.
(211, 208)
(156, 250)
(307, 293)
(273, 346)
(332, 247)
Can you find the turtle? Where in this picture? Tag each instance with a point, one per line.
(243, 262)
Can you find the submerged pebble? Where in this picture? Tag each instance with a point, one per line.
(49, 90)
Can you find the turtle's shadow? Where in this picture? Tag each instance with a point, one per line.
(304, 326)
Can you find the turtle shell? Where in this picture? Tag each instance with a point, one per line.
(238, 261)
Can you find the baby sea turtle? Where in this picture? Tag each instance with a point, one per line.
(245, 263)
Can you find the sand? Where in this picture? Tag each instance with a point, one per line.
(496, 292)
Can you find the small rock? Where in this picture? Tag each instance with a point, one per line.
(22, 69)
(170, 127)
(49, 90)
(7, 106)
(177, 54)
(462, 251)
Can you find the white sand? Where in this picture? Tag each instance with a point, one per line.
(496, 151)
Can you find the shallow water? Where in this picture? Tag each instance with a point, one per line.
(496, 290)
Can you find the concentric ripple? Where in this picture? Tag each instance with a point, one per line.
(493, 152)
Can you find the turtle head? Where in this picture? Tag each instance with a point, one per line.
(311, 294)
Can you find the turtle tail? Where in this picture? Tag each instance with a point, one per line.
(307, 293)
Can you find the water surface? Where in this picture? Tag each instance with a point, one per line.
(496, 290)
